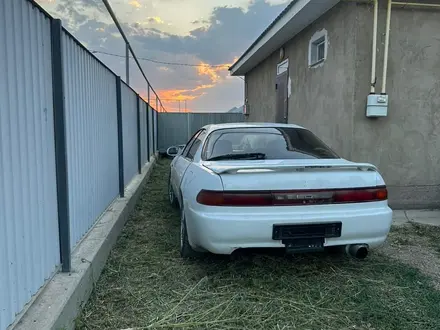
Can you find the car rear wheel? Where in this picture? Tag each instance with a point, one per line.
(186, 251)
(171, 196)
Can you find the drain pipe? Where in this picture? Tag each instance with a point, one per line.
(416, 4)
(374, 48)
(387, 46)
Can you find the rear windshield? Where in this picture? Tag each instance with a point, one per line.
(265, 143)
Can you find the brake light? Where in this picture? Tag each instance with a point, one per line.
(291, 198)
(359, 196)
(220, 198)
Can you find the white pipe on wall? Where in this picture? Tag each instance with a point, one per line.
(387, 46)
(387, 33)
(414, 4)
(374, 48)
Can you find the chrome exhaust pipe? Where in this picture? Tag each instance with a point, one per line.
(358, 251)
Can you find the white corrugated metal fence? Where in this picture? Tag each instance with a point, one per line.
(60, 134)
(129, 130)
(144, 131)
(91, 138)
(29, 243)
(177, 128)
(150, 130)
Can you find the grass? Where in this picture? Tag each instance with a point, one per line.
(146, 285)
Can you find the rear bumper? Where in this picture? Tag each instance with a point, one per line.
(223, 230)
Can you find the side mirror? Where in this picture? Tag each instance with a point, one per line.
(172, 151)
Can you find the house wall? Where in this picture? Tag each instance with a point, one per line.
(330, 99)
(406, 144)
(260, 90)
(321, 98)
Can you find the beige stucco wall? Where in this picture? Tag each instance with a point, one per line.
(330, 99)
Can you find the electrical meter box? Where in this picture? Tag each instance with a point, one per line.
(377, 105)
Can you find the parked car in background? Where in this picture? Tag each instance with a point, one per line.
(274, 186)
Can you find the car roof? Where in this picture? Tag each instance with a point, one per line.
(215, 127)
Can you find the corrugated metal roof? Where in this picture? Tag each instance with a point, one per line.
(289, 6)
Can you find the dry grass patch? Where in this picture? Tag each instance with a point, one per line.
(416, 245)
(146, 285)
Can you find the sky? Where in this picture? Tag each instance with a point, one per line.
(211, 34)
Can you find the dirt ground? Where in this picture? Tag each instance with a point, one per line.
(418, 246)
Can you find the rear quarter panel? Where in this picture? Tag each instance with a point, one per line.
(379, 180)
(198, 177)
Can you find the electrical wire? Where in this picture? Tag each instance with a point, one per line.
(162, 62)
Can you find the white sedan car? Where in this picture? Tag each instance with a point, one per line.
(270, 185)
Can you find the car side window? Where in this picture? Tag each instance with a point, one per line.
(190, 142)
(196, 145)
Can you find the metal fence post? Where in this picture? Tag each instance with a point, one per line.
(156, 123)
(120, 137)
(188, 130)
(127, 64)
(148, 132)
(139, 140)
(152, 127)
(60, 145)
(157, 132)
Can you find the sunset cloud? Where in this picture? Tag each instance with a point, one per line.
(135, 4)
(215, 74)
(164, 68)
(206, 33)
(172, 95)
(211, 72)
(155, 19)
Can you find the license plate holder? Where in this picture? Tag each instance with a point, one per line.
(307, 231)
(304, 245)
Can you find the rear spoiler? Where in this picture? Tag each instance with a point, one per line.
(232, 169)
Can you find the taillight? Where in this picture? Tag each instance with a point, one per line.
(220, 198)
(212, 198)
(290, 198)
(361, 195)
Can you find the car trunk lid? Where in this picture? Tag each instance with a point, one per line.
(299, 174)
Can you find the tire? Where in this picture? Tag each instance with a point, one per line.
(186, 251)
(171, 195)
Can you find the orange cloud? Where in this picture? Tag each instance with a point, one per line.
(155, 19)
(135, 4)
(164, 68)
(215, 74)
(211, 72)
(180, 94)
(203, 87)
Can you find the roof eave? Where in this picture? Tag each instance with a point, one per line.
(297, 16)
